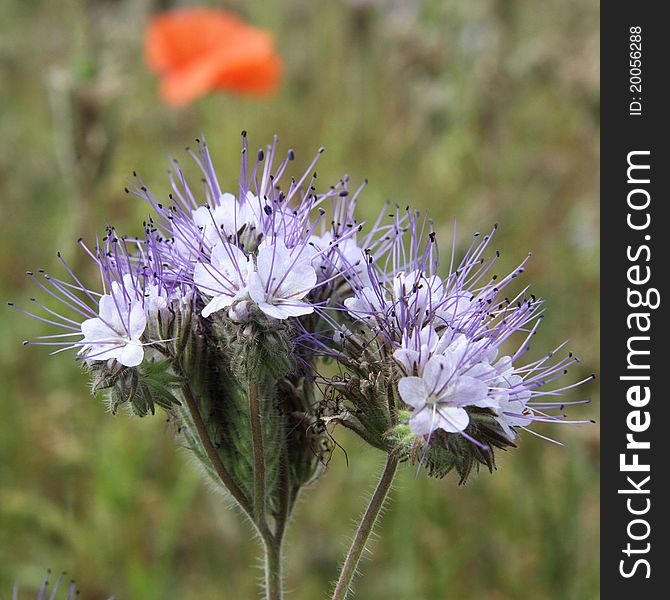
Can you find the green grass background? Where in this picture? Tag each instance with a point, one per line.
(482, 111)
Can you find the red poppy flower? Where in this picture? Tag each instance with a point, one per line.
(196, 50)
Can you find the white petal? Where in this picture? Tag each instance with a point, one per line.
(204, 277)
(512, 412)
(284, 310)
(252, 208)
(452, 419)
(230, 260)
(137, 320)
(456, 307)
(131, 355)
(240, 312)
(407, 358)
(217, 303)
(458, 350)
(202, 216)
(357, 306)
(288, 276)
(423, 421)
(426, 337)
(437, 372)
(464, 391)
(489, 402)
(104, 351)
(509, 432)
(109, 311)
(274, 311)
(156, 304)
(483, 371)
(504, 364)
(413, 391)
(256, 289)
(272, 259)
(227, 214)
(95, 330)
(298, 282)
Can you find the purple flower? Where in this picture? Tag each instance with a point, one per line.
(428, 349)
(282, 279)
(117, 330)
(443, 336)
(438, 396)
(224, 277)
(113, 324)
(258, 248)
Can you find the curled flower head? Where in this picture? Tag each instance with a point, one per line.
(196, 50)
(435, 343)
(117, 330)
(260, 248)
(113, 323)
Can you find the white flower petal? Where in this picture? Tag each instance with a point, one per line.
(483, 371)
(105, 351)
(423, 421)
(407, 358)
(437, 372)
(131, 354)
(504, 364)
(284, 310)
(489, 402)
(271, 259)
(298, 282)
(110, 309)
(95, 330)
(465, 391)
(137, 320)
(256, 288)
(509, 432)
(452, 419)
(216, 304)
(413, 391)
(360, 308)
(281, 281)
(230, 261)
(204, 277)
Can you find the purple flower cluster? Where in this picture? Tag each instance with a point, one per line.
(445, 336)
(114, 323)
(260, 252)
(257, 255)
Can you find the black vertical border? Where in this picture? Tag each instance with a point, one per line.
(622, 133)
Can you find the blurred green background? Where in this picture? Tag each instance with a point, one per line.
(481, 111)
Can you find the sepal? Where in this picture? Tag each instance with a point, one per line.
(142, 388)
(442, 452)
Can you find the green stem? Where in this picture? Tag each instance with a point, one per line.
(273, 569)
(211, 452)
(259, 457)
(284, 507)
(364, 530)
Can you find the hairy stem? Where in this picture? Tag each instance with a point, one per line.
(365, 527)
(212, 454)
(273, 569)
(259, 456)
(284, 495)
